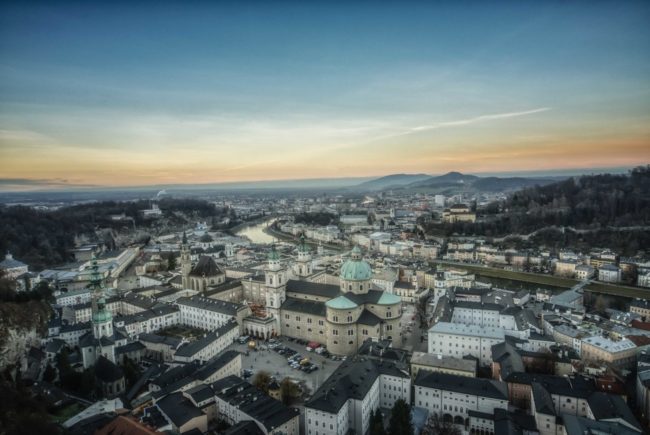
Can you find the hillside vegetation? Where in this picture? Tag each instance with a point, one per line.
(595, 210)
(44, 238)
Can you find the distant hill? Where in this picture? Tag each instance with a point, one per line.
(391, 181)
(453, 181)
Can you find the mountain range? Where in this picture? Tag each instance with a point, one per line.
(453, 182)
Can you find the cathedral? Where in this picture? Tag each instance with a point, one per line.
(204, 274)
(341, 317)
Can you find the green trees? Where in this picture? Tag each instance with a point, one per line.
(376, 423)
(437, 426)
(288, 391)
(261, 380)
(400, 419)
(171, 262)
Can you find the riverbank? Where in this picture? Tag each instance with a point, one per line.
(233, 231)
(272, 231)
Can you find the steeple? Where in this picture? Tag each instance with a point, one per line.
(303, 265)
(102, 318)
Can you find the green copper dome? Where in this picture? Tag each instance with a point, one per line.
(273, 254)
(341, 303)
(102, 316)
(356, 269)
(302, 246)
(389, 299)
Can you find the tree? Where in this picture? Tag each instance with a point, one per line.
(437, 426)
(288, 391)
(400, 419)
(261, 380)
(50, 374)
(171, 262)
(131, 371)
(376, 423)
(601, 304)
(7, 288)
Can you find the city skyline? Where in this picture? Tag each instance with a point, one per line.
(132, 95)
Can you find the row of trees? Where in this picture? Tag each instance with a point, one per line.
(320, 218)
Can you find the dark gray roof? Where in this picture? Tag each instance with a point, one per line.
(367, 318)
(543, 400)
(176, 374)
(178, 409)
(206, 266)
(352, 379)
(107, 371)
(462, 384)
(576, 386)
(574, 425)
(155, 338)
(611, 407)
(478, 305)
(134, 346)
(215, 364)
(372, 297)
(313, 288)
(200, 393)
(508, 358)
(253, 402)
(192, 348)
(215, 305)
(304, 306)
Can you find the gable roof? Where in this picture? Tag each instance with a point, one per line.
(206, 266)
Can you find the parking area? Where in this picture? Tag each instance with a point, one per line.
(267, 359)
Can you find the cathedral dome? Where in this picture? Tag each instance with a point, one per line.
(341, 303)
(356, 269)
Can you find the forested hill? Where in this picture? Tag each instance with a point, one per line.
(585, 202)
(44, 238)
(595, 210)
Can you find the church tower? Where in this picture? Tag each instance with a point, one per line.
(186, 262)
(276, 281)
(102, 319)
(303, 267)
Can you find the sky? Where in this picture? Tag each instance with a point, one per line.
(124, 94)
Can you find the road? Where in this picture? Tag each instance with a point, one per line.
(411, 340)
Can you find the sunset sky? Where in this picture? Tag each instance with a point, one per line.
(116, 94)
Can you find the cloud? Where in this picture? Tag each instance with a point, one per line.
(39, 182)
(475, 120)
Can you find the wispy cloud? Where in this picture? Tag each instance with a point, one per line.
(39, 183)
(475, 120)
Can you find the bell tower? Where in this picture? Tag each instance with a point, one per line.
(303, 267)
(186, 262)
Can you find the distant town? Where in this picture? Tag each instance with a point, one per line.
(385, 308)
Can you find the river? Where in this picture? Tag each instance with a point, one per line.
(255, 233)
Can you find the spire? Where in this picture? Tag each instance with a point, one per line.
(273, 254)
(184, 238)
(302, 246)
(356, 253)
